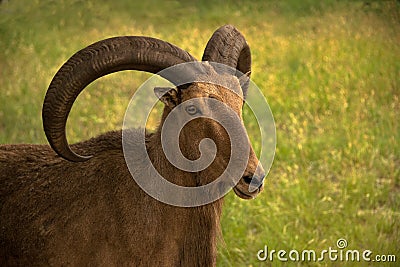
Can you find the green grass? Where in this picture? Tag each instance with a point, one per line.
(329, 70)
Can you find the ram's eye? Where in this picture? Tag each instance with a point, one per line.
(191, 109)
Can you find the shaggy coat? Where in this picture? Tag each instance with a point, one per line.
(94, 210)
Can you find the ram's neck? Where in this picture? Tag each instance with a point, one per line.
(202, 233)
(164, 166)
(198, 228)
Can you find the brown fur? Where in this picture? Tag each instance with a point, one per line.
(58, 213)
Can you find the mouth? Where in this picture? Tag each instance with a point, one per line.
(244, 195)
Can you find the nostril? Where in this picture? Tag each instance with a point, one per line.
(247, 179)
(255, 179)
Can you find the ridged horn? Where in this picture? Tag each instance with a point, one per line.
(99, 59)
(228, 46)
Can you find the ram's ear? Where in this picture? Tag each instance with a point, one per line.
(167, 95)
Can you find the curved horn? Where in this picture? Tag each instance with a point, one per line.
(99, 59)
(228, 46)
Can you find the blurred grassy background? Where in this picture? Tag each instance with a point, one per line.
(329, 70)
